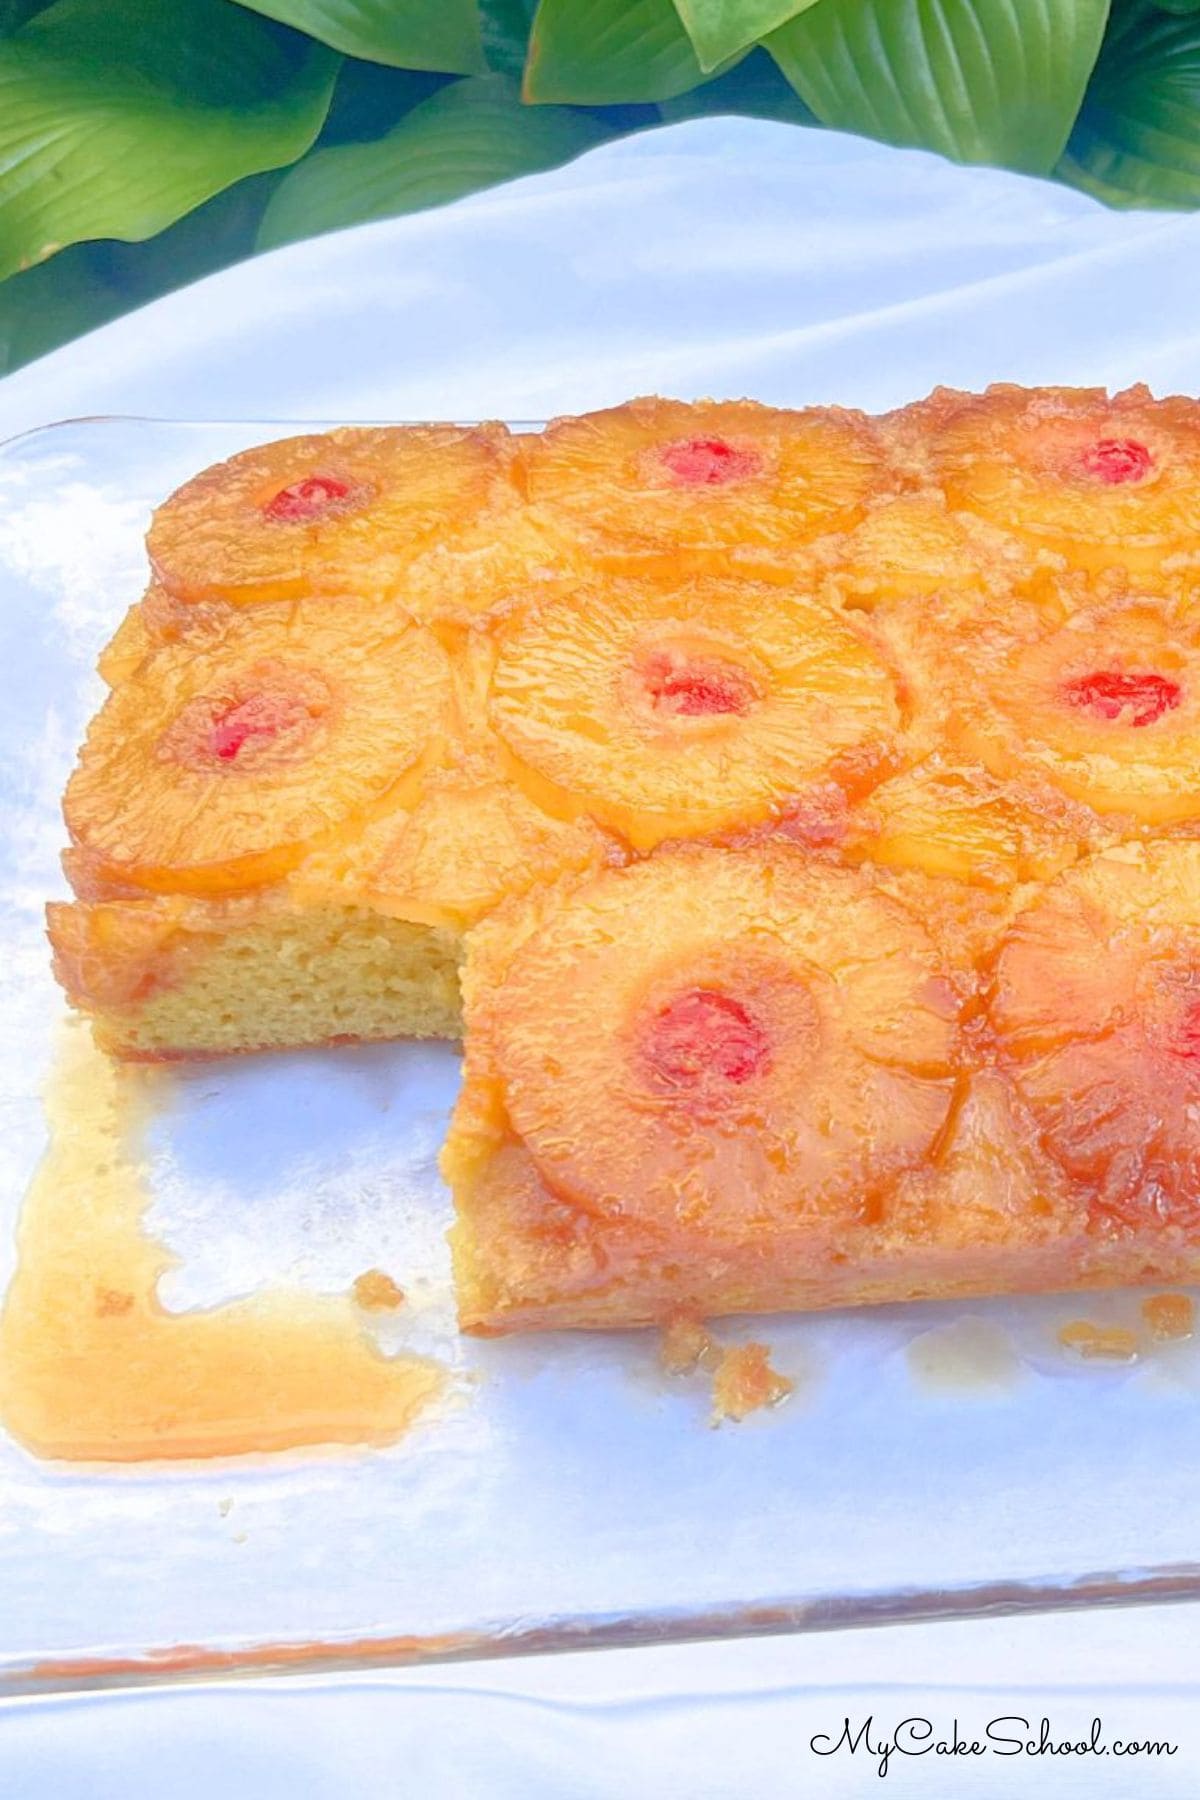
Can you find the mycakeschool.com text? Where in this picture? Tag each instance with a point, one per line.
(887, 1743)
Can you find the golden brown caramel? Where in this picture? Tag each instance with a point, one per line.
(93, 1368)
(967, 1356)
(1102, 1343)
(1170, 1318)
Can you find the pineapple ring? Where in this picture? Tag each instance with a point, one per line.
(725, 1038)
(662, 478)
(471, 841)
(678, 711)
(215, 770)
(329, 513)
(1097, 1011)
(911, 549)
(1105, 707)
(955, 820)
(1108, 483)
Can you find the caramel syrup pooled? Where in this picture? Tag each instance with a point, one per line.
(1109, 1343)
(1170, 1318)
(968, 1354)
(93, 1368)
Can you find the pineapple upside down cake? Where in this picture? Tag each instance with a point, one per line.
(797, 814)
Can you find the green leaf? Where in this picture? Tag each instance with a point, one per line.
(470, 135)
(116, 120)
(981, 81)
(1137, 140)
(91, 283)
(370, 99)
(222, 231)
(720, 28)
(13, 14)
(442, 35)
(604, 52)
(506, 25)
(46, 306)
(755, 88)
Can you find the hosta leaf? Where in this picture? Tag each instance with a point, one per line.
(370, 99)
(506, 25)
(13, 14)
(117, 119)
(997, 81)
(410, 34)
(756, 89)
(470, 135)
(92, 283)
(603, 52)
(720, 28)
(220, 232)
(46, 306)
(1137, 140)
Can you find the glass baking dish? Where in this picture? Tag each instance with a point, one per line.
(932, 1461)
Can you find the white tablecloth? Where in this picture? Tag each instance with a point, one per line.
(705, 1722)
(724, 257)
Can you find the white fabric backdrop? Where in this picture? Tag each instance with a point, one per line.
(725, 257)
(721, 256)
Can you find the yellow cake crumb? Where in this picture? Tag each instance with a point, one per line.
(686, 1345)
(744, 1382)
(375, 1291)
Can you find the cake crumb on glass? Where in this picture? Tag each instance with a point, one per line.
(686, 1344)
(744, 1381)
(375, 1291)
(1170, 1318)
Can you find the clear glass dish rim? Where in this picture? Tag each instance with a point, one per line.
(186, 1663)
(290, 425)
